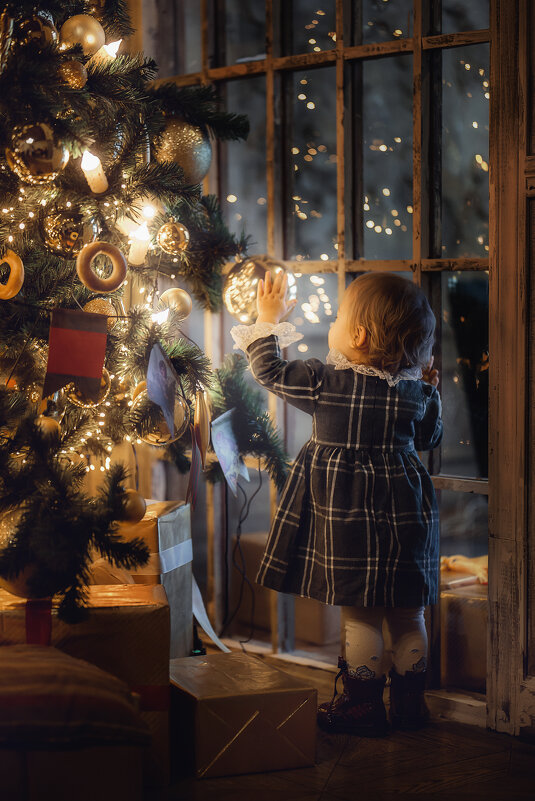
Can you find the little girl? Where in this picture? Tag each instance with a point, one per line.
(357, 521)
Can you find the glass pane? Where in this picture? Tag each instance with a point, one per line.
(317, 301)
(243, 164)
(465, 373)
(463, 524)
(241, 31)
(465, 148)
(311, 180)
(387, 158)
(307, 28)
(384, 20)
(187, 36)
(458, 15)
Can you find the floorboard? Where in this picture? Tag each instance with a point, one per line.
(446, 760)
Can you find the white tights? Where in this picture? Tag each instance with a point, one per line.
(365, 651)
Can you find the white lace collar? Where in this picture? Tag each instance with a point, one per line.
(341, 362)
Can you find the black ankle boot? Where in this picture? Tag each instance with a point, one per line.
(408, 710)
(358, 710)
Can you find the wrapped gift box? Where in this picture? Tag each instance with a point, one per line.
(166, 529)
(125, 634)
(463, 636)
(232, 713)
(315, 623)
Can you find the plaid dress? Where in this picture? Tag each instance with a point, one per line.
(357, 520)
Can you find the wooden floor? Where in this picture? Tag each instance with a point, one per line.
(443, 761)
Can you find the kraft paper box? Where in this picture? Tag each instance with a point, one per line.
(127, 635)
(232, 713)
(315, 622)
(463, 637)
(166, 529)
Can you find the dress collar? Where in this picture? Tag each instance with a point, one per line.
(341, 362)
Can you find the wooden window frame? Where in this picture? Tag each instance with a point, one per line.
(511, 183)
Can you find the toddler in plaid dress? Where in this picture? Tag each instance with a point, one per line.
(357, 520)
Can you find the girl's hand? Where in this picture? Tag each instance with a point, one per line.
(429, 375)
(272, 298)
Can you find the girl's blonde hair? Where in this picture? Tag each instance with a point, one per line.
(397, 317)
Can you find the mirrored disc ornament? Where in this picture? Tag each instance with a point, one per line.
(65, 232)
(188, 146)
(160, 434)
(78, 398)
(241, 286)
(38, 30)
(173, 238)
(35, 155)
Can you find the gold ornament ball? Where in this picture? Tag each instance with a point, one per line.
(241, 286)
(141, 387)
(63, 232)
(73, 73)
(173, 238)
(85, 30)
(188, 146)
(48, 426)
(78, 398)
(134, 506)
(160, 434)
(35, 155)
(112, 309)
(38, 30)
(178, 300)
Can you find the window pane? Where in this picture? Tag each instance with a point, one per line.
(306, 28)
(240, 31)
(173, 39)
(465, 378)
(458, 15)
(384, 20)
(243, 164)
(387, 158)
(465, 148)
(317, 301)
(311, 151)
(463, 523)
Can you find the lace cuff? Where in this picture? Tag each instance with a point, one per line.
(244, 335)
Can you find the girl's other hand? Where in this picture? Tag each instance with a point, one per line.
(429, 375)
(272, 298)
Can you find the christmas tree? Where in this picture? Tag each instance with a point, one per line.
(100, 174)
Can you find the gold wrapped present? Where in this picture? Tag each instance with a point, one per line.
(126, 634)
(167, 531)
(233, 713)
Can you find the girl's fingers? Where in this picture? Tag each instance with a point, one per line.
(260, 289)
(268, 282)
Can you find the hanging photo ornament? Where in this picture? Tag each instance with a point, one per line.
(73, 73)
(84, 30)
(173, 238)
(160, 435)
(241, 286)
(38, 30)
(188, 146)
(78, 398)
(35, 155)
(65, 232)
(6, 37)
(178, 300)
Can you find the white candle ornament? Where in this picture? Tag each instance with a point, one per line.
(95, 175)
(107, 52)
(140, 245)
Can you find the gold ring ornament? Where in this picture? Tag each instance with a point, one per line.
(16, 275)
(87, 275)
